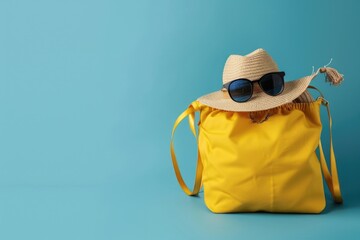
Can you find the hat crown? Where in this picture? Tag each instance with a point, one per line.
(251, 66)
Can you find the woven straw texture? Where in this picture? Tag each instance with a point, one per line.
(253, 66)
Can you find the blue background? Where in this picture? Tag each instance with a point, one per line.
(89, 91)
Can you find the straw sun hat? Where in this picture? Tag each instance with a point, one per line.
(252, 67)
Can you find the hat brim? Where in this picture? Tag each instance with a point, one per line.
(260, 100)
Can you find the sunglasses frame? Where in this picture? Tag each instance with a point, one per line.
(226, 85)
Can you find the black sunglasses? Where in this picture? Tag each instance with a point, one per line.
(241, 90)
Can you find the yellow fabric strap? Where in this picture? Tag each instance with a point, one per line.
(190, 112)
(332, 180)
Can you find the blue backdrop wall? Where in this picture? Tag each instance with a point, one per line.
(89, 91)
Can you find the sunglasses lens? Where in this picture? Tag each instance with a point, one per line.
(240, 90)
(272, 84)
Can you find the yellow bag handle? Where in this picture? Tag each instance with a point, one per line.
(332, 180)
(190, 112)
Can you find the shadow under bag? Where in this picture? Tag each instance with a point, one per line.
(272, 166)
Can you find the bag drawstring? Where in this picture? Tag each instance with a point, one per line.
(332, 75)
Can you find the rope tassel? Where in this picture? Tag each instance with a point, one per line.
(332, 75)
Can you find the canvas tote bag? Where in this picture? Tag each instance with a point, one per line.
(272, 166)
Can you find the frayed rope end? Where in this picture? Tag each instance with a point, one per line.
(332, 75)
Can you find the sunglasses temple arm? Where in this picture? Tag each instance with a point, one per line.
(225, 87)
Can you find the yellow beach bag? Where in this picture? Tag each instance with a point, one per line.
(272, 166)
